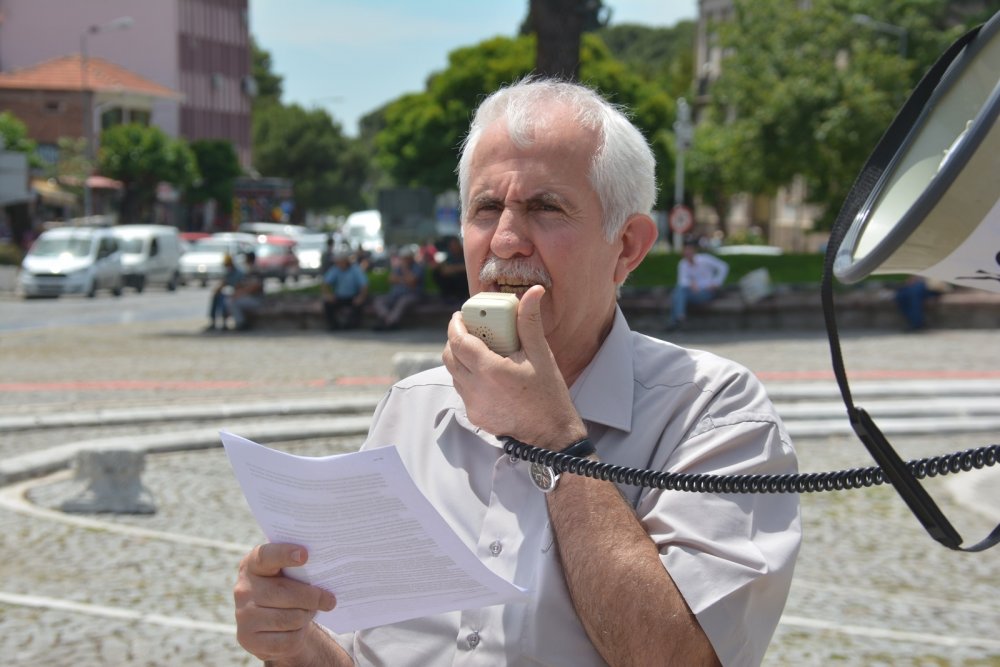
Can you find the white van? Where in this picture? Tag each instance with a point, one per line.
(364, 229)
(72, 260)
(151, 255)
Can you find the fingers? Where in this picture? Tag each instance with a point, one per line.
(273, 611)
(267, 560)
(529, 322)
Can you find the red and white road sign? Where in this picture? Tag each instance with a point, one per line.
(681, 219)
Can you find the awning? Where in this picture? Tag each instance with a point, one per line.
(51, 194)
(103, 183)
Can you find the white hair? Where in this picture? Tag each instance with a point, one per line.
(622, 170)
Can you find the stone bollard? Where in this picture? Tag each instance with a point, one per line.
(110, 480)
(409, 363)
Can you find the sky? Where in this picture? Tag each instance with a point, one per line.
(352, 56)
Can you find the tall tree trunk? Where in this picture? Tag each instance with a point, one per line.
(558, 25)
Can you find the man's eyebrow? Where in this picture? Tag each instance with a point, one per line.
(549, 198)
(482, 199)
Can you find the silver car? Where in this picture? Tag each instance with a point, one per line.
(72, 260)
(204, 261)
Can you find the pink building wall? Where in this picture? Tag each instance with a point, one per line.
(36, 30)
(197, 47)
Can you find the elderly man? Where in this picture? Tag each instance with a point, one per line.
(557, 187)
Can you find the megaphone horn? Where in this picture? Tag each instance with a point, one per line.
(935, 210)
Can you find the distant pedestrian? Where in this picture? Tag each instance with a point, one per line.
(219, 308)
(449, 274)
(406, 288)
(911, 297)
(248, 294)
(699, 278)
(345, 290)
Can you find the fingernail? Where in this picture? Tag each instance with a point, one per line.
(297, 555)
(327, 602)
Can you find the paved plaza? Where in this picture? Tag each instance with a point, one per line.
(871, 588)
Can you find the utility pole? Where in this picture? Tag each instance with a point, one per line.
(680, 216)
(87, 98)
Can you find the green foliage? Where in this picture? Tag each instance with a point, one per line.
(219, 166)
(660, 269)
(15, 137)
(423, 131)
(806, 91)
(664, 56)
(141, 157)
(10, 254)
(307, 146)
(72, 161)
(269, 84)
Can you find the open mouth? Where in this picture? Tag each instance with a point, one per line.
(510, 287)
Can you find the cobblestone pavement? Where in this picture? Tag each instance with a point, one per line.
(871, 588)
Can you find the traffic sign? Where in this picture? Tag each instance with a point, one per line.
(681, 219)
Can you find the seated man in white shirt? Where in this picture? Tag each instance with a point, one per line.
(556, 188)
(699, 278)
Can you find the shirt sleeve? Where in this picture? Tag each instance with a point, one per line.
(731, 555)
(721, 269)
(684, 273)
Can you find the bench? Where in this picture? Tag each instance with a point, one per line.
(871, 306)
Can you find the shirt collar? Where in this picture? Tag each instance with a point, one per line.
(603, 392)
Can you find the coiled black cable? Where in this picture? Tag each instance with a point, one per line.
(812, 482)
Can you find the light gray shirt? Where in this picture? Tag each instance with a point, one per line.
(648, 404)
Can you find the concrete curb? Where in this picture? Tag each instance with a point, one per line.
(35, 464)
(117, 416)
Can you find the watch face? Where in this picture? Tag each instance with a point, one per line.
(543, 477)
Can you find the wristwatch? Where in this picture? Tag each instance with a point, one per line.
(546, 478)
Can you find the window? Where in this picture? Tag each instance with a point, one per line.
(111, 117)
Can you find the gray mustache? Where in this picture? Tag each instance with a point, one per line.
(514, 271)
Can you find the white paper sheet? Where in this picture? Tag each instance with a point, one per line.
(374, 540)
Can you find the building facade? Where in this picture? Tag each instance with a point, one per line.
(200, 48)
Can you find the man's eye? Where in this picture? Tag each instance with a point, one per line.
(546, 207)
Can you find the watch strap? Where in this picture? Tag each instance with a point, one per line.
(581, 448)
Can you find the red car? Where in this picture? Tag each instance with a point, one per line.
(276, 257)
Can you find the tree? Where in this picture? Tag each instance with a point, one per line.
(662, 55)
(269, 84)
(558, 26)
(419, 143)
(218, 166)
(327, 169)
(14, 137)
(808, 92)
(142, 157)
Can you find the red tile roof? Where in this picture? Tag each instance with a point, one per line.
(66, 74)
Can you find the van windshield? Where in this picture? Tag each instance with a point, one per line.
(54, 247)
(130, 246)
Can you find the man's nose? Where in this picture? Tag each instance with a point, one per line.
(510, 237)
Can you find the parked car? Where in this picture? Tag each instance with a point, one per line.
(151, 255)
(72, 260)
(204, 260)
(276, 258)
(274, 229)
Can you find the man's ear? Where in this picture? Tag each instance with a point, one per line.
(637, 237)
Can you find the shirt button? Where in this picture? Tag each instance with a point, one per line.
(473, 639)
(496, 548)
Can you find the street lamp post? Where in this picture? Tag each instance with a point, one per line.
(889, 28)
(683, 132)
(119, 23)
